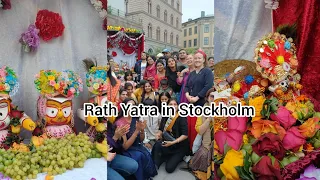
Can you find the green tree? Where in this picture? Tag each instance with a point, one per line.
(191, 50)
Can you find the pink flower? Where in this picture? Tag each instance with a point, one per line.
(238, 123)
(72, 90)
(36, 76)
(52, 83)
(284, 117)
(231, 137)
(293, 139)
(265, 63)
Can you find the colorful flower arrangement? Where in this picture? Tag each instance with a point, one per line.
(48, 25)
(283, 131)
(97, 79)
(52, 83)
(97, 4)
(8, 81)
(30, 39)
(126, 30)
(5, 4)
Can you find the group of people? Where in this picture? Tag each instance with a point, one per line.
(139, 146)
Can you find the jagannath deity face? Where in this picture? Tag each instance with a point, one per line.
(100, 100)
(58, 111)
(4, 113)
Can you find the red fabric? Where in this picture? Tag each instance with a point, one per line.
(192, 133)
(157, 80)
(306, 15)
(126, 48)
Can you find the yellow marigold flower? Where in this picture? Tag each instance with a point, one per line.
(232, 159)
(51, 78)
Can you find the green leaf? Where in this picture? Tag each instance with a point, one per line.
(243, 174)
(226, 148)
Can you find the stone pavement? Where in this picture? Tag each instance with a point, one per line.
(176, 175)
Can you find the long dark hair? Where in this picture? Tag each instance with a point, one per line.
(152, 57)
(113, 80)
(126, 74)
(167, 94)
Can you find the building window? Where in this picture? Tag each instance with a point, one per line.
(185, 44)
(178, 6)
(165, 16)
(177, 23)
(189, 43)
(171, 19)
(149, 7)
(195, 42)
(185, 32)
(171, 38)
(158, 33)
(206, 41)
(177, 40)
(190, 31)
(196, 30)
(150, 51)
(206, 28)
(172, 3)
(150, 30)
(165, 36)
(158, 11)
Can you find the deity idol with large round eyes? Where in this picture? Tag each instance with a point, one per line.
(11, 119)
(55, 103)
(97, 81)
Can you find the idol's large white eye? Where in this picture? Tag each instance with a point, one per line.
(52, 112)
(104, 101)
(66, 111)
(4, 111)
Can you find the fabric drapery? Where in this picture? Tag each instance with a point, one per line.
(306, 15)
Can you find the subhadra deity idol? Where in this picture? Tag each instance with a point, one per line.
(97, 81)
(11, 119)
(55, 102)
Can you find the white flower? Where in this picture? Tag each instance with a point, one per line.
(6, 85)
(286, 66)
(103, 14)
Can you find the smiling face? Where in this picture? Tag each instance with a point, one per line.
(123, 95)
(148, 87)
(171, 63)
(58, 111)
(182, 54)
(160, 67)
(190, 61)
(174, 104)
(150, 60)
(4, 113)
(198, 60)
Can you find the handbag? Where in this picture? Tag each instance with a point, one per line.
(167, 136)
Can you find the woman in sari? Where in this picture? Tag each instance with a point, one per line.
(113, 85)
(151, 70)
(133, 146)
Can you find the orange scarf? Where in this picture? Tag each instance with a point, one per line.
(169, 128)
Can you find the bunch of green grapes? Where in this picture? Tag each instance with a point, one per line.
(55, 156)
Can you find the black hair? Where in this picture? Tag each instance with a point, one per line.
(113, 80)
(152, 57)
(210, 58)
(164, 81)
(121, 90)
(127, 84)
(167, 94)
(143, 82)
(126, 74)
(159, 61)
(125, 101)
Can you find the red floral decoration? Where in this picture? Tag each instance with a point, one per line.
(50, 24)
(114, 54)
(6, 4)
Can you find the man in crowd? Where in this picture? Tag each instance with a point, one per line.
(182, 61)
(166, 53)
(140, 67)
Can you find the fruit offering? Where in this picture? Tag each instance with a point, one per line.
(54, 156)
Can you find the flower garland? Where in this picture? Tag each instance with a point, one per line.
(126, 30)
(52, 83)
(5, 4)
(48, 25)
(97, 4)
(97, 79)
(8, 81)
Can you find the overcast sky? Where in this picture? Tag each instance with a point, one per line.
(192, 8)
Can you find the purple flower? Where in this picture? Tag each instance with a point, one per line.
(310, 173)
(93, 178)
(2, 177)
(30, 39)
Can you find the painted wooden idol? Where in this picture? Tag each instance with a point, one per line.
(11, 119)
(55, 102)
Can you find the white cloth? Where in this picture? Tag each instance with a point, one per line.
(93, 168)
(153, 124)
(239, 24)
(143, 69)
(122, 58)
(82, 38)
